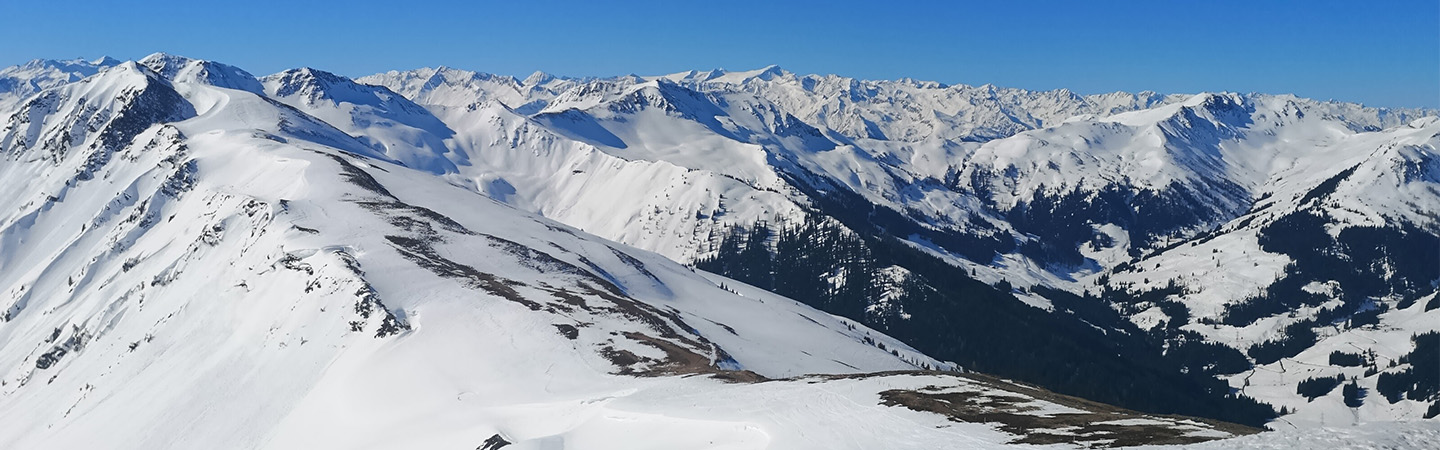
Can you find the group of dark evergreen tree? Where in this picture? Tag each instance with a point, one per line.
(814, 259)
(1421, 380)
(835, 260)
(1083, 348)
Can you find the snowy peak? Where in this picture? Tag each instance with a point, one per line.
(624, 96)
(318, 88)
(79, 67)
(187, 70)
(93, 118)
(432, 79)
(388, 123)
(1223, 108)
(588, 95)
(663, 95)
(456, 88)
(1166, 172)
(721, 76)
(312, 85)
(609, 100)
(767, 73)
(1399, 182)
(1337, 258)
(538, 78)
(25, 80)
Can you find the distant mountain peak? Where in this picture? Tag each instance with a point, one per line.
(185, 69)
(537, 77)
(314, 83)
(21, 81)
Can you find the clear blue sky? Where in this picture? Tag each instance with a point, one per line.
(1382, 53)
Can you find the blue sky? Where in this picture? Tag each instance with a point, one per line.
(1381, 53)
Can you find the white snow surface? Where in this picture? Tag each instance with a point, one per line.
(1394, 180)
(202, 285)
(956, 157)
(19, 82)
(912, 146)
(1405, 435)
(191, 257)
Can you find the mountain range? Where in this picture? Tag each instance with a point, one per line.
(191, 255)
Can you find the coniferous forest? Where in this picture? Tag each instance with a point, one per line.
(940, 310)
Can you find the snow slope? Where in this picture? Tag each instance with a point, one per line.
(959, 160)
(1385, 181)
(1390, 435)
(19, 82)
(187, 261)
(1129, 192)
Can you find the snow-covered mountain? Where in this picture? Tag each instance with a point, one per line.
(19, 82)
(927, 151)
(1341, 280)
(1106, 197)
(194, 257)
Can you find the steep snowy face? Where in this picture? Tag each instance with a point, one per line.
(670, 192)
(85, 123)
(19, 82)
(661, 121)
(660, 205)
(388, 123)
(185, 70)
